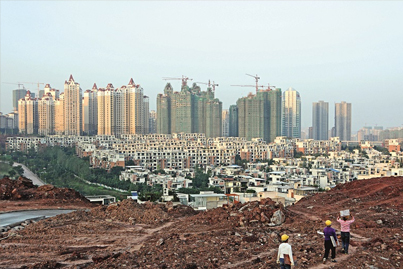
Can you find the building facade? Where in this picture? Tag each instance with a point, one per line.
(259, 116)
(17, 95)
(189, 111)
(225, 123)
(233, 121)
(123, 110)
(46, 115)
(59, 115)
(90, 111)
(28, 115)
(342, 121)
(72, 107)
(153, 122)
(291, 117)
(320, 120)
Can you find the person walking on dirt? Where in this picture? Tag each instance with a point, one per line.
(345, 231)
(284, 248)
(329, 232)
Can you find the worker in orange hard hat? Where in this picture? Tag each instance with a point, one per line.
(284, 255)
(330, 241)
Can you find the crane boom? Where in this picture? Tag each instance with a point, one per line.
(184, 79)
(37, 83)
(209, 84)
(256, 79)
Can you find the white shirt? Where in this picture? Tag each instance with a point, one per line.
(285, 248)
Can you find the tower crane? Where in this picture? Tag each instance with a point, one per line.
(18, 83)
(37, 83)
(256, 79)
(19, 87)
(183, 78)
(212, 85)
(254, 86)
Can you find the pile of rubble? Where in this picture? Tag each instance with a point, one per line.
(130, 211)
(23, 189)
(247, 235)
(239, 215)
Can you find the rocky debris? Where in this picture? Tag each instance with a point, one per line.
(240, 215)
(43, 265)
(130, 235)
(148, 213)
(23, 189)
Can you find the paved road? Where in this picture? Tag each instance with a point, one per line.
(15, 217)
(29, 174)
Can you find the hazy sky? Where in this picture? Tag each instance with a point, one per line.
(332, 51)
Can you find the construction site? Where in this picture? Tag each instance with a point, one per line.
(150, 235)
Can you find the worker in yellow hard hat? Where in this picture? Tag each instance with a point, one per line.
(330, 241)
(284, 255)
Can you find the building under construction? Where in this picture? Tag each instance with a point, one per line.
(190, 111)
(259, 115)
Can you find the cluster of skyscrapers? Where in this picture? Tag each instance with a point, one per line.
(109, 111)
(125, 110)
(320, 121)
(257, 115)
(189, 111)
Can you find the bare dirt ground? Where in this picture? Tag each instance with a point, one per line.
(129, 235)
(22, 194)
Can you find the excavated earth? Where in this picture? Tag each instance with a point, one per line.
(131, 235)
(22, 194)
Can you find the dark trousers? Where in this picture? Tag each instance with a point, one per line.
(284, 266)
(345, 240)
(329, 246)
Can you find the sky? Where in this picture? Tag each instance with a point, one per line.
(326, 50)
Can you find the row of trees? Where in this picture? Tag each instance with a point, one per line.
(61, 167)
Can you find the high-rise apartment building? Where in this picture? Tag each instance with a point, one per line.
(72, 107)
(90, 111)
(367, 133)
(28, 115)
(291, 117)
(153, 122)
(259, 116)
(123, 110)
(17, 95)
(190, 111)
(53, 92)
(225, 122)
(146, 115)
(106, 98)
(342, 118)
(233, 121)
(320, 120)
(46, 115)
(138, 110)
(213, 118)
(59, 115)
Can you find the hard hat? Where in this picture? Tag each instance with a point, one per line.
(328, 223)
(284, 237)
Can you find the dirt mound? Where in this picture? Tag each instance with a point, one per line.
(377, 233)
(234, 234)
(23, 189)
(151, 235)
(10, 189)
(240, 215)
(148, 213)
(377, 202)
